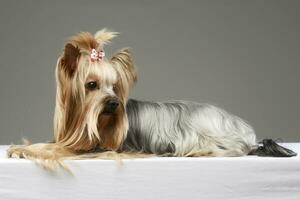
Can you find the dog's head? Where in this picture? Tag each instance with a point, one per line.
(92, 92)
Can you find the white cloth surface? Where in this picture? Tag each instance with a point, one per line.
(239, 178)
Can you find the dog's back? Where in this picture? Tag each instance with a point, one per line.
(184, 128)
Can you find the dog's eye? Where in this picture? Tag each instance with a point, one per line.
(91, 85)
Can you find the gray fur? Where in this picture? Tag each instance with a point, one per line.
(182, 128)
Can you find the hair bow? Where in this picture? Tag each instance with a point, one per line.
(97, 55)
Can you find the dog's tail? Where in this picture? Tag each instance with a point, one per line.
(269, 148)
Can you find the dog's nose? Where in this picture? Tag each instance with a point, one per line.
(112, 105)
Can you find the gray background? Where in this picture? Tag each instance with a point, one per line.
(240, 55)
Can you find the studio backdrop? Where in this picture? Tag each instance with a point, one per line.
(240, 55)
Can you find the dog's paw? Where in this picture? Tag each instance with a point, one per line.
(44, 151)
(18, 151)
(48, 155)
(23, 151)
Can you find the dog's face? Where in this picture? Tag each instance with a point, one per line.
(92, 92)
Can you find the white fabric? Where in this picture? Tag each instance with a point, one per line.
(242, 178)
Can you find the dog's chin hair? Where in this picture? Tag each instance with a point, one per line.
(92, 121)
(113, 129)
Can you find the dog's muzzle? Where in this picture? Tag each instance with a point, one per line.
(111, 105)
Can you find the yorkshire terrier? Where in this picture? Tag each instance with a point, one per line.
(93, 115)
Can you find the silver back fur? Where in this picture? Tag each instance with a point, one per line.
(183, 128)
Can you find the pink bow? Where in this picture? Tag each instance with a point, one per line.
(97, 55)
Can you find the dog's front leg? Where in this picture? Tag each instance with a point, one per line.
(42, 151)
(48, 155)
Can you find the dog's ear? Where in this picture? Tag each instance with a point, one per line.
(70, 58)
(104, 36)
(123, 63)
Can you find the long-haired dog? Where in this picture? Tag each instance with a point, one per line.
(93, 115)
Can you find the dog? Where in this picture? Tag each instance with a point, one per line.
(94, 115)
